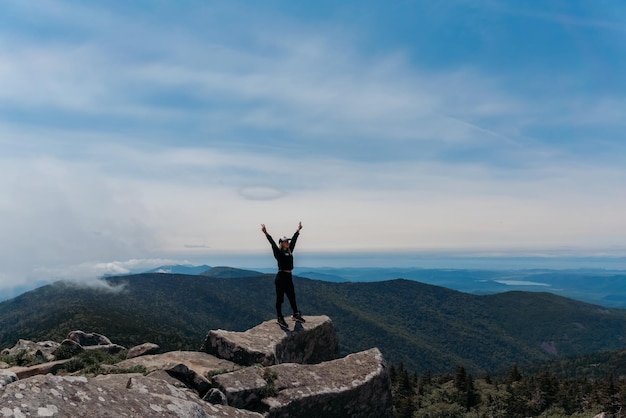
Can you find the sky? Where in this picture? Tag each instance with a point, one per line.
(137, 134)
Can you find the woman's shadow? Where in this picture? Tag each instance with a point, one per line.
(297, 327)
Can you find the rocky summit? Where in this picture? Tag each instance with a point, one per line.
(310, 342)
(266, 371)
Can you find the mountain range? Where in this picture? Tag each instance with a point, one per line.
(597, 286)
(606, 287)
(423, 326)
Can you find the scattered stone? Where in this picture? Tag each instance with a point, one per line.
(311, 342)
(42, 350)
(4, 365)
(302, 377)
(142, 350)
(87, 339)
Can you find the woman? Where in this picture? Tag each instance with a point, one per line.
(283, 253)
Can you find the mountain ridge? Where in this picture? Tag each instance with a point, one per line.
(426, 327)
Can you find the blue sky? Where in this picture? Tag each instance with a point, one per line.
(138, 133)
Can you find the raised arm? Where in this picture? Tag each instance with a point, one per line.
(269, 238)
(292, 243)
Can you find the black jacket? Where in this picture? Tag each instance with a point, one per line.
(284, 258)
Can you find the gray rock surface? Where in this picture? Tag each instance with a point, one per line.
(142, 350)
(244, 388)
(354, 386)
(216, 396)
(194, 368)
(312, 342)
(163, 375)
(107, 396)
(6, 377)
(302, 377)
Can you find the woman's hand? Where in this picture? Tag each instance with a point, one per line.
(263, 229)
(299, 225)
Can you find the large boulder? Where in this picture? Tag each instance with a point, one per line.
(193, 368)
(311, 342)
(357, 385)
(107, 396)
(68, 349)
(91, 341)
(142, 350)
(88, 338)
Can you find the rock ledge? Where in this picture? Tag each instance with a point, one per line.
(264, 372)
(267, 344)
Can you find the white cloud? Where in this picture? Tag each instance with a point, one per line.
(292, 89)
(90, 272)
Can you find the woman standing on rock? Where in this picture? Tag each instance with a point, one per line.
(283, 253)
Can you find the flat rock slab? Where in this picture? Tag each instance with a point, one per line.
(204, 364)
(107, 396)
(194, 368)
(43, 368)
(357, 385)
(311, 342)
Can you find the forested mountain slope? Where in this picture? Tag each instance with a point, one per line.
(422, 326)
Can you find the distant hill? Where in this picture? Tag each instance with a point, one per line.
(180, 269)
(18, 290)
(420, 325)
(229, 272)
(597, 286)
(311, 274)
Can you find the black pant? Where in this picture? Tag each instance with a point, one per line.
(284, 285)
